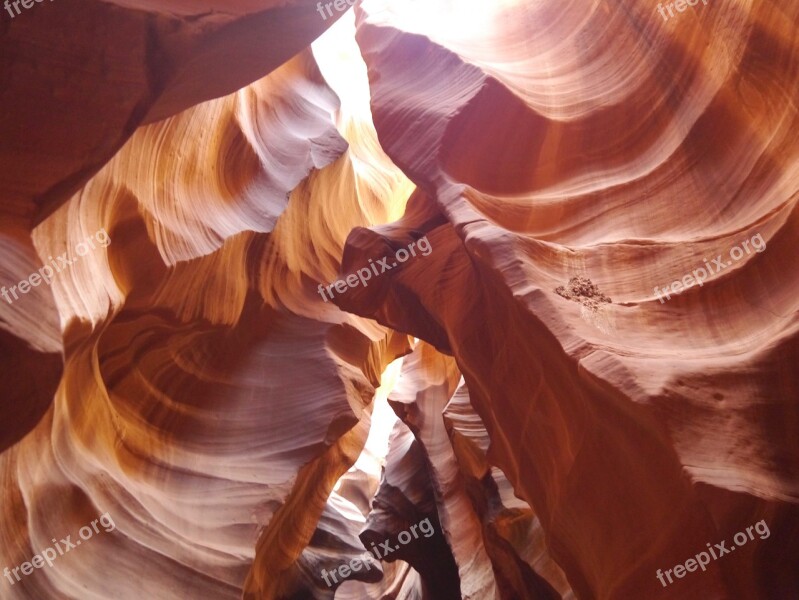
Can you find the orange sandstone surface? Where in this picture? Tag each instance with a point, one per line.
(423, 300)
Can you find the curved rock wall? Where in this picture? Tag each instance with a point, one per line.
(597, 205)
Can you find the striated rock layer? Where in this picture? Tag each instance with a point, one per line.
(194, 420)
(649, 428)
(575, 410)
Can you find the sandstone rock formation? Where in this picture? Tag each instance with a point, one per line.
(197, 375)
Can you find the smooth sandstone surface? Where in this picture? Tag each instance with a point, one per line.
(648, 428)
(190, 380)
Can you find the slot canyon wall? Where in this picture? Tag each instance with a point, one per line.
(412, 300)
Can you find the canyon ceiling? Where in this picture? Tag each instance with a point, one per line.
(415, 299)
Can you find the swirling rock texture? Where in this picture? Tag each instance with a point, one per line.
(188, 179)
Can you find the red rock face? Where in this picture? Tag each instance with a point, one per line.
(555, 241)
